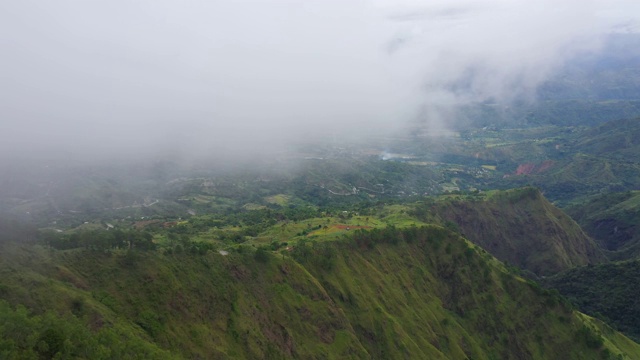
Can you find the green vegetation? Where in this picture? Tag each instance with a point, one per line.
(612, 220)
(606, 291)
(569, 163)
(519, 227)
(376, 249)
(337, 256)
(384, 293)
(50, 335)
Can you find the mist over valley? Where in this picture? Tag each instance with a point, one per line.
(319, 180)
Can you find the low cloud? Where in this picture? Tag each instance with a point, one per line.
(124, 78)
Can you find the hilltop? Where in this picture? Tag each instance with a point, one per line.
(418, 292)
(519, 227)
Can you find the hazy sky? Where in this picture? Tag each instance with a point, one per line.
(132, 77)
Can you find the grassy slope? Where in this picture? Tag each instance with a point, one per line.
(605, 290)
(521, 227)
(436, 297)
(200, 307)
(455, 297)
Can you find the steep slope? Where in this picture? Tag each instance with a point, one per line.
(522, 228)
(612, 220)
(456, 296)
(202, 307)
(414, 293)
(606, 290)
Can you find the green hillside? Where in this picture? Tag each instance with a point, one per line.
(386, 293)
(570, 164)
(520, 227)
(320, 181)
(618, 139)
(608, 291)
(612, 220)
(579, 176)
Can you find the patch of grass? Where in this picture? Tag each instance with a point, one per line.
(279, 199)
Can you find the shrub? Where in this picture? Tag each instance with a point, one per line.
(261, 255)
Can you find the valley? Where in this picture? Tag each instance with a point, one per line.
(314, 224)
(313, 181)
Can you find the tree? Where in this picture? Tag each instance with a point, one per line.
(261, 255)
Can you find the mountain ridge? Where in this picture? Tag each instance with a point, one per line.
(521, 227)
(413, 292)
